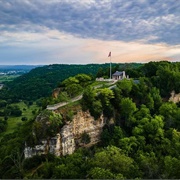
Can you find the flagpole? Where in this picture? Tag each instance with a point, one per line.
(110, 66)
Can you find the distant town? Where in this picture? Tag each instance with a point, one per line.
(16, 69)
(14, 72)
(8, 72)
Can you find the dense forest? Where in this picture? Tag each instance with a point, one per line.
(142, 142)
(40, 82)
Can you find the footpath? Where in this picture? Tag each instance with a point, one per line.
(61, 104)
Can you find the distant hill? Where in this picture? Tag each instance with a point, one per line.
(40, 81)
(18, 67)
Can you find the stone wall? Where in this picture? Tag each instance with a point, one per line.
(69, 137)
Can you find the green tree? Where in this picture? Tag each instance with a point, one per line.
(127, 108)
(89, 96)
(46, 126)
(149, 101)
(69, 81)
(149, 69)
(168, 110)
(111, 135)
(175, 143)
(96, 109)
(12, 110)
(105, 96)
(84, 79)
(151, 129)
(117, 98)
(142, 113)
(115, 161)
(3, 125)
(100, 72)
(129, 145)
(72, 166)
(24, 118)
(157, 100)
(125, 86)
(171, 168)
(149, 165)
(73, 89)
(3, 103)
(167, 81)
(100, 173)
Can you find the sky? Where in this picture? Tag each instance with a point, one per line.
(39, 32)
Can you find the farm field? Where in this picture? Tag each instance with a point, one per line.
(7, 78)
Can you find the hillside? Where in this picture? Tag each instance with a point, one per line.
(10, 72)
(40, 82)
(127, 131)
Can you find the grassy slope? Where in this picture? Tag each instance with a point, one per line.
(7, 78)
(14, 122)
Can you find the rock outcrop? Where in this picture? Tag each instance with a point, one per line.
(69, 137)
(55, 93)
(174, 97)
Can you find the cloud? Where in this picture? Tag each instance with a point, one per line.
(108, 19)
(53, 46)
(132, 51)
(76, 31)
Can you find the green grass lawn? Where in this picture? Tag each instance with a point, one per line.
(7, 78)
(14, 122)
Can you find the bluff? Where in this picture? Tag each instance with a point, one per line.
(70, 135)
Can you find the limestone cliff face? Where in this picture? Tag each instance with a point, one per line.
(174, 97)
(69, 137)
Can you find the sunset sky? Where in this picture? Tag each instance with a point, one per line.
(85, 31)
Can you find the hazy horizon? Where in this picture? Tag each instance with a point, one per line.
(79, 63)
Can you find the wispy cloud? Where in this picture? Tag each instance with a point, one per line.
(151, 26)
(132, 51)
(112, 20)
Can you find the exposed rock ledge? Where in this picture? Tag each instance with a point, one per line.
(174, 97)
(69, 137)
